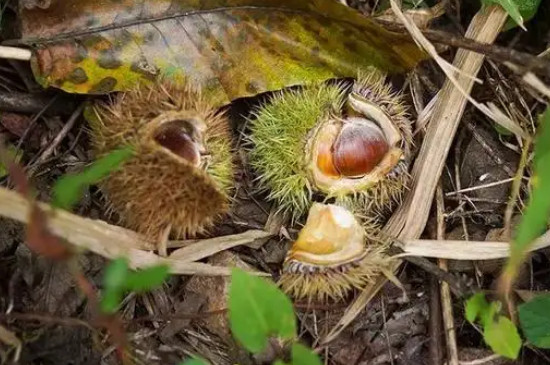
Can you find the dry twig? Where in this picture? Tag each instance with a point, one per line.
(446, 302)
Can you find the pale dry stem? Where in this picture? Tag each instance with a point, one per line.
(107, 240)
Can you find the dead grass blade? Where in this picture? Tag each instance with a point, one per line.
(102, 238)
(208, 247)
(465, 250)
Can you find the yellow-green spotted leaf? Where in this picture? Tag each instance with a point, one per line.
(231, 48)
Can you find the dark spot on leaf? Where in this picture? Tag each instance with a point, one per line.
(351, 46)
(211, 83)
(294, 57)
(122, 38)
(150, 37)
(108, 59)
(311, 29)
(92, 40)
(217, 47)
(104, 86)
(322, 39)
(81, 52)
(253, 87)
(325, 22)
(78, 76)
(92, 21)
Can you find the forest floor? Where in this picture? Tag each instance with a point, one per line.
(41, 304)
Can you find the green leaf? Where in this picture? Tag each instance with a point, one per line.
(115, 274)
(535, 218)
(527, 9)
(114, 280)
(503, 337)
(147, 279)
(258, 310)
(69, 188)
(110, 300)
(195, 361)
(301, 355)
(511, 7)
(474, 306)
(534, 317)
(230, 48)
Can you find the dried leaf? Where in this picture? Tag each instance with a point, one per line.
(16, 123)
(231, 48)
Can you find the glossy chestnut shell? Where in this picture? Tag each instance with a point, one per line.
(357, 149)
(351, 153)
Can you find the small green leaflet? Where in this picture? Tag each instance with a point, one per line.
(511, 7)
(503, 337)
(113, 285)
(69, 188)
(478, 307)
(301, 355)
(527, 9)
(118, 279)
(110, 300)
(498, 331)
(258, 310)
(534, 317)
(147, 279)
(520, 11)
(474, 306)
(535, 218)
(115, 274)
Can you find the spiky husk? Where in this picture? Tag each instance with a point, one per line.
(155, 190)
(278, 138)
(314, 283)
